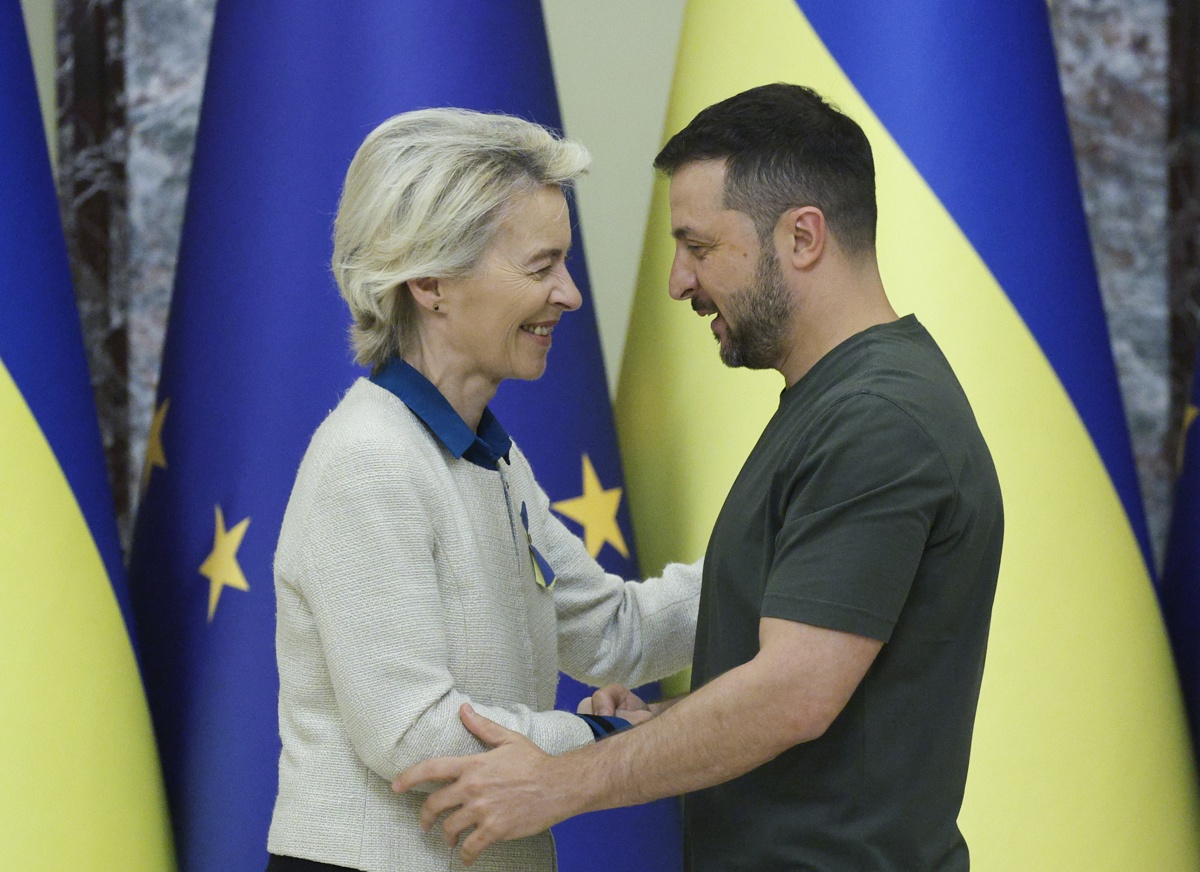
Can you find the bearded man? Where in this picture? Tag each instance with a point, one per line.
(849, 579)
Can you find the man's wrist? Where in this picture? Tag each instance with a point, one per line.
(577, 779)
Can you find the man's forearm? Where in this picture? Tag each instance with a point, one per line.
(789, 693)
(723, 730)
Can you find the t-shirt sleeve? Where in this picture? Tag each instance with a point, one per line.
(856, 517)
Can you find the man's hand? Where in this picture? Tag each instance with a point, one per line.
(507, 793)
(613, 699)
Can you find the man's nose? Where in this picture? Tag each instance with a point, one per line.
(682, 283)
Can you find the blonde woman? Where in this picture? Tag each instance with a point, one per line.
(419, 567)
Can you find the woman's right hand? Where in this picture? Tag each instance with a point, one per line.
(618, 701)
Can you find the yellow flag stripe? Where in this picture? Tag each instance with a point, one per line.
(1081, 758)
(80, 787)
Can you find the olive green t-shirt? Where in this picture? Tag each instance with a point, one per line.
(870, 505)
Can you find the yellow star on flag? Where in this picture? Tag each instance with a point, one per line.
(596, 511)
(221, 567)
(155, 456)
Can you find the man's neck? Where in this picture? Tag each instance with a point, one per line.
(844, 306)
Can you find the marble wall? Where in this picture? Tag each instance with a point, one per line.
(1113, 61)
(166, 57)
(1112, 57)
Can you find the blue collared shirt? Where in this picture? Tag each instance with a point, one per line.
(484, 447)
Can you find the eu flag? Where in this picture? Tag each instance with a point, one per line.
(1179, 590)
(256, 356)
(81, 787)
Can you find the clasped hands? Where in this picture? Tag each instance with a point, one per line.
(514, 790)
(618, 701)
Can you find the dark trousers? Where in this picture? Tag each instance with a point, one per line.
(295, 864)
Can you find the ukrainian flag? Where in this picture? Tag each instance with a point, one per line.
(1081, 757)
(79, 784)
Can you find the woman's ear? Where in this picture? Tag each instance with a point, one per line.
(802, 235)
(426, 292)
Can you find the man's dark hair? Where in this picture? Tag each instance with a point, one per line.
(784, 147)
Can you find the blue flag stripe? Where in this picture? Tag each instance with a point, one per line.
(46, 362)
(995, 147)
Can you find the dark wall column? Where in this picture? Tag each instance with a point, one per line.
(92, 192)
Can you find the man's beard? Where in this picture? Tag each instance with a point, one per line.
(763, 315)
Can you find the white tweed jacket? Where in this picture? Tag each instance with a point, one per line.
(405, 587)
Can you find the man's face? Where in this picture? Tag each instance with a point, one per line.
(722, 270)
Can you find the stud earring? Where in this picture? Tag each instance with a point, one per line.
(435, 307)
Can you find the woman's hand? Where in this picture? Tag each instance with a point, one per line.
(634, 716)
(618, 701)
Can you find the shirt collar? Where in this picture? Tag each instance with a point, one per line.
(483, 448)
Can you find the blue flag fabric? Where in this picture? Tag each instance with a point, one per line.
(256, 356)
(48, 362)
(1179, 589)
(81, 786)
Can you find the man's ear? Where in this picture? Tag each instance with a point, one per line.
(801, 236)
(426, 292)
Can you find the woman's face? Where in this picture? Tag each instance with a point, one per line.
(501, 316)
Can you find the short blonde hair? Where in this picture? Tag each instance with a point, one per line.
(423, 197)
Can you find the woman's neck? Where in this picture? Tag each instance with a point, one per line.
(467, 394)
